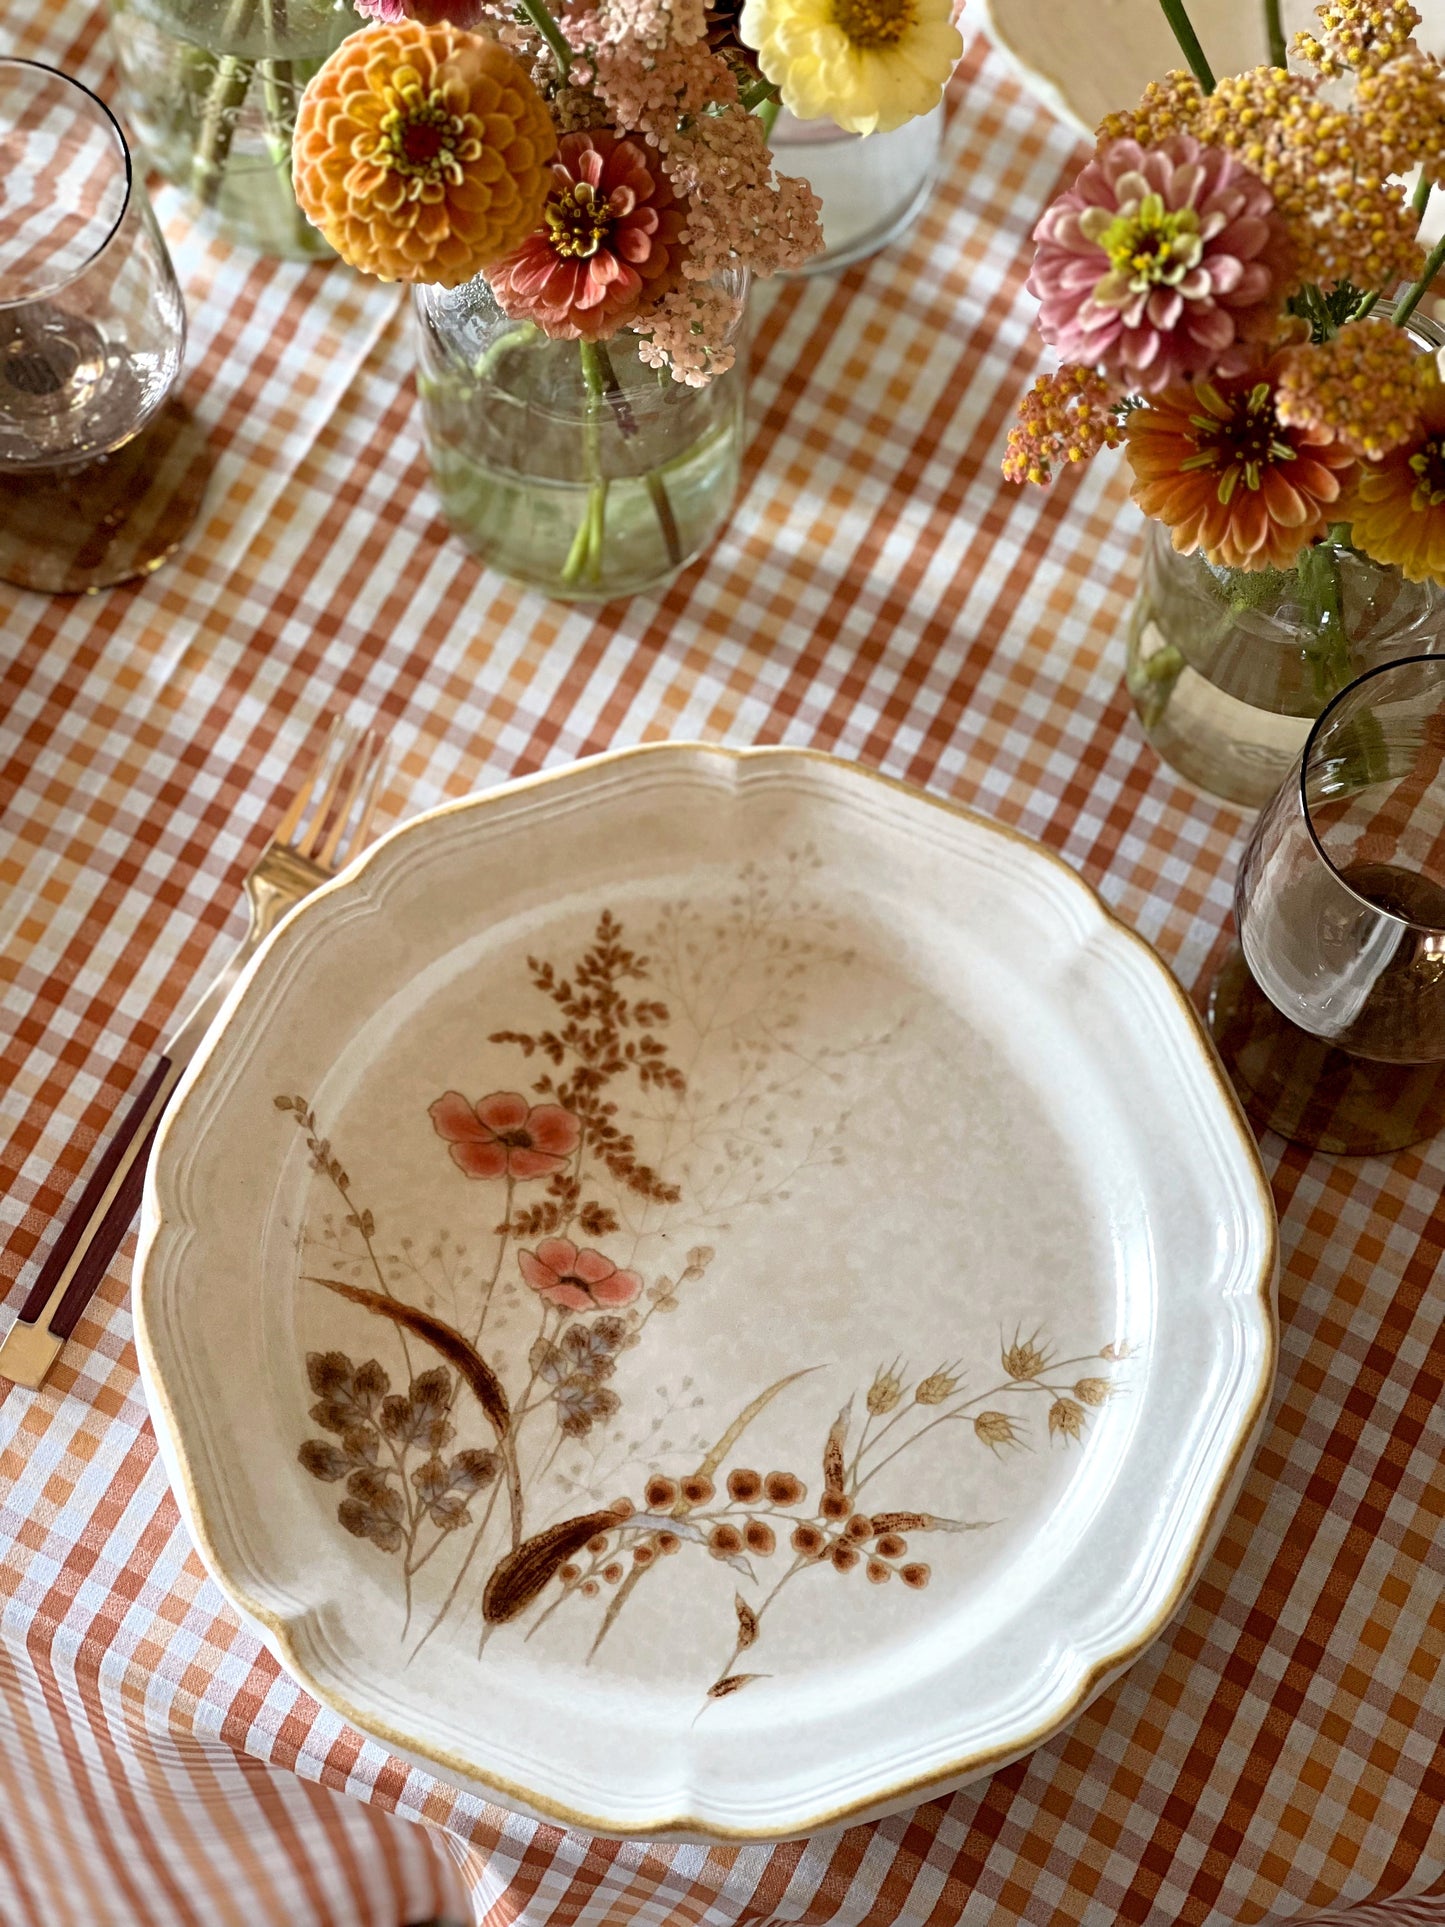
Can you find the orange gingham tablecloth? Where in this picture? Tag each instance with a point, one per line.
(881, 593)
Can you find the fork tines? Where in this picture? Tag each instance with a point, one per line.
(348, 773)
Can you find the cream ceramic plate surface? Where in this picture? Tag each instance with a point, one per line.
(705, 1294)
(1085, 58)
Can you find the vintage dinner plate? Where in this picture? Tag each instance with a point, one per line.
(706, 1294)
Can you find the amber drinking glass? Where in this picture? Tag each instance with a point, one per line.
(100, 468)
(1331, 1012)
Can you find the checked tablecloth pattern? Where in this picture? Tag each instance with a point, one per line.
(880, 593)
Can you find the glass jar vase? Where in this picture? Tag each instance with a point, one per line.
(1228, 668)
(573, 466)
(872, 188)
(212, 87)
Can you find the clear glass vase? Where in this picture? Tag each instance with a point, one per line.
(570, 466)
(211, 87)
(873, 189)
(1228, 668)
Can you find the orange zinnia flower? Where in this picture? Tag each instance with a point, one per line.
(1215, 464)
(1397, 506)
(422, 153)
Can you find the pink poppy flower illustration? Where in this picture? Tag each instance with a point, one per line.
(580, 1280)
(504, 1136)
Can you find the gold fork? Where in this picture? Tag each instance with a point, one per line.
(313, 840)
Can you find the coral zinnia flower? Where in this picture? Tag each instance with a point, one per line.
(504, 1136)
(1397, 506)
(1161, 264)
(1215, 464)
(580, 1280)
(421, 153)
(608, 244)
(869, 65)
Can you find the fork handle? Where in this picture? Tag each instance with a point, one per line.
(90, 1237)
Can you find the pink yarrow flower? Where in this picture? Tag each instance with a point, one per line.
(1162, 264)
(581, 1280)
(505, 1136)
(691, 334)
(465, 14)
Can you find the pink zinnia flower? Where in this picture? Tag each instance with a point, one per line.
(1161, 264)
(608, 244)
(465, 14)
(504, 1136)
(580, 1280)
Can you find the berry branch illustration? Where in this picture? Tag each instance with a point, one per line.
(456, 1464)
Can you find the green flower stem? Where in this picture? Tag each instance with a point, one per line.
(542, 18)
(282, 82)
(1151, 680)
(1274, 28)
(1373, 751)
(1319, 578)
(1420, 199)
(666, 520)
(768, 115)
(757, 94)
(585, 556)
(1183, 30)
(224, 100)
(519, 337)
(279, 85)
(627, 427)
(1416, 295)
(581, 549)
(612, 388)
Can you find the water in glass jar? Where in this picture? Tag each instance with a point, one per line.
(513, 482)
(213, 90)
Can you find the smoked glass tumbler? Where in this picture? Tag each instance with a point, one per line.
(1331, 1012)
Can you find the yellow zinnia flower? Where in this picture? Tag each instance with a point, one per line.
(1397, 506)
(869, 65)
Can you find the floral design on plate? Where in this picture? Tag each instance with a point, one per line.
(658, 1104)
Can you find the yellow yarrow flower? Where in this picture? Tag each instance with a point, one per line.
(1327, 163)
(1358, 36)
(869, 65)
(1366, 386)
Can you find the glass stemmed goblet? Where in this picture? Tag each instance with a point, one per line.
(101, 467)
